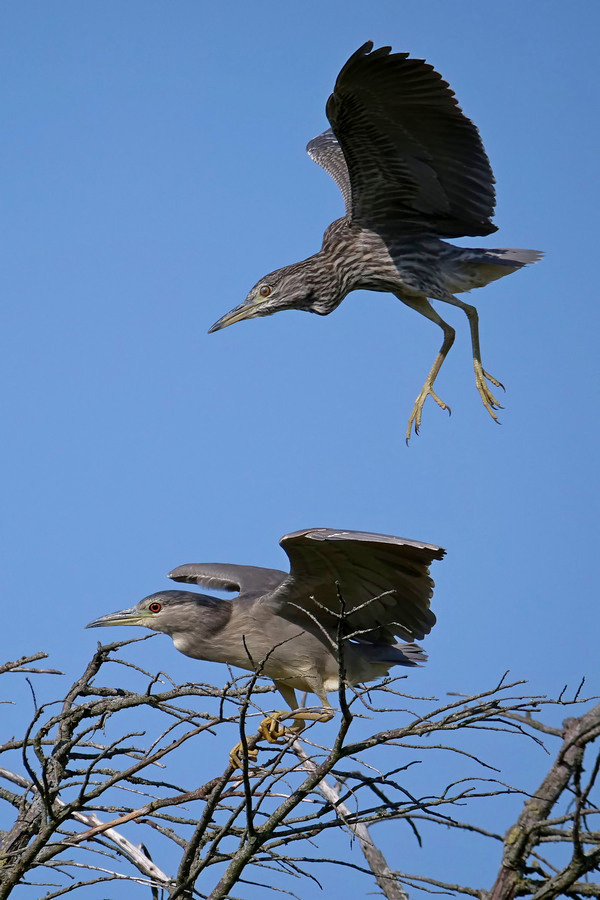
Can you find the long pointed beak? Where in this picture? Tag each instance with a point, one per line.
(244, 311)
(131, 616)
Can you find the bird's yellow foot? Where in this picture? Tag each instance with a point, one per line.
(417, 411)
(489, 401)
(271, 728)
(236, 756)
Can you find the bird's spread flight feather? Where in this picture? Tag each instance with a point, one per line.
(409, 159)
(384, 583)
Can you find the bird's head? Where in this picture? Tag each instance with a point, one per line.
(293, 287)
(166, 611)
(191, 620)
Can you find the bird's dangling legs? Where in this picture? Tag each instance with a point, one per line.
(423, 306)
(489, 401)
(300, 716)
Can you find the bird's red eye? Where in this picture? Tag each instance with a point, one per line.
(155, 607)
(265, 290)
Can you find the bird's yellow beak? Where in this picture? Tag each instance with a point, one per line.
(131, 616)
(246, 310)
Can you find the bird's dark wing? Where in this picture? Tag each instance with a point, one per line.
(223, 577)
(415, 161)
(327, 153)
(384, 582)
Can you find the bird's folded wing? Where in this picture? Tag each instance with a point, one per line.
(383, 582)
(415, 161)
(225, 577)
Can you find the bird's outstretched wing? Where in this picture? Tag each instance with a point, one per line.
(224, 577)
(327, 153)
(384, 582)
(415, 161)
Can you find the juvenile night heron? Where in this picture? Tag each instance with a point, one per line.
(412, 170)
(289, 626)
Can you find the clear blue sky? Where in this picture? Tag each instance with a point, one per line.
(153, 169)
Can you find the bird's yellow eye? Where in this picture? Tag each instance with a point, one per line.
(155, 607)
(265, 290)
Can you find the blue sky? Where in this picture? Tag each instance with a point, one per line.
(153, 169)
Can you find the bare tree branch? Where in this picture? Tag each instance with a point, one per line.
(94, 765)
(524, 834)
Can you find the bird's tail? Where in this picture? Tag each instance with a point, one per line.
(395, 654)
(511, 256)
(474, 268)
(365, 662)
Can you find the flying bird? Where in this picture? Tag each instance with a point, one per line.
(291, 626)
(412, 170)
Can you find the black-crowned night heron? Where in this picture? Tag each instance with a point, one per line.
(412, 170)
(289, 626)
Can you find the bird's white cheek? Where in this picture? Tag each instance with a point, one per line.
(181, 642)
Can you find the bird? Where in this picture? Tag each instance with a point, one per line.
(412, 170)
(335, 616)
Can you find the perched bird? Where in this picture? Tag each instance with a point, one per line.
(294, 627)
(412, 170)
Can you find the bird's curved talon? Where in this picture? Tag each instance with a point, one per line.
(236, 755)
(490, 408)
(489, 401)
(439, 402)
(494, 381)
(417, 411)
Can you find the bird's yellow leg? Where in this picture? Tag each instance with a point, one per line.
(426, 391)
(423, 306)
(489, 401)
(300, 716)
